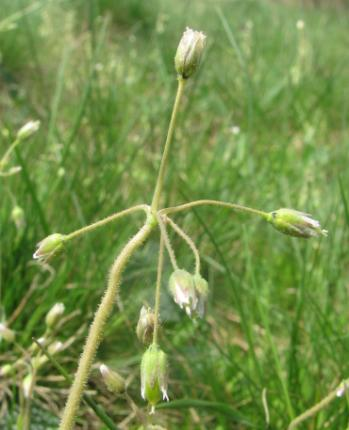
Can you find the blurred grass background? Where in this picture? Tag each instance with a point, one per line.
(264, 123)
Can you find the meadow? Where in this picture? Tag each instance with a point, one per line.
(263, 123)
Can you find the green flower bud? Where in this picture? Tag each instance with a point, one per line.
(145, 325)
(154, 375)
(28, 130)
(182, 288)
(18, 217)
(27, 386)
(54, 315)
(189, 52)
(6, 370)
(114, 382)
(201, 288)
(295, 223)
(6, 333)
(49, 246)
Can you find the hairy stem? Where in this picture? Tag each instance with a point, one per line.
(189, 241)
(96, 329)
(167, 243)
(234, 206)
(158, 290)
(171, 128)
(105, 221)
(319, 406)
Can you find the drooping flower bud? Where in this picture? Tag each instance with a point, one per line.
(28, 130)
(114, 382)
(27, 386)
(145, 325)
(6, 333)
(54, 315)
(201, 288)
(189, 52)
(6, 370)
(295, 223)
(154, 376)
(18, 217)
(182, 288)
(49, 246)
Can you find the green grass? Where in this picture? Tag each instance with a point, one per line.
(100, 77)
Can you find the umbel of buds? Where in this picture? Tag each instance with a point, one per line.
(6, 333)
(113, 381)
(154, 375)
(189, 52)
(28, 130)
(295, 223)
(49, 246)
(145, 325)
(54, 315)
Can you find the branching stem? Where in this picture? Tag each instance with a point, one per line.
(105, 221)
(234, 206)
(158, 290)
(189, 241)
(171, 128)
(167, 241)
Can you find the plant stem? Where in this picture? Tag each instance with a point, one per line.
(189, 241)
(319, 406)
(235, 206)
(6, 156)
(104, 221)
(171, 128)
(96, 329)
(167, 243)
(158, 290)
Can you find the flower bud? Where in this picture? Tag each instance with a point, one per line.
(145, 325)
(28, 130)
(49, 246)
(295, 223)
(189, 52)
(54, 315)
(182, 288)
(154, 375)
(114, 382)
(201, 288)
(6, 370)
(18, 217)
(6, 333)
(27, 386)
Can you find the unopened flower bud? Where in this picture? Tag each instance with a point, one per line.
(182, 288)
(145, 325)
(18, 217)
(154, 375)
(295, 223)
(49, 246)
(27, 386)
(54, 315)
(6, 333)
(34, 347)
(189, 52)
(6, 370)
(114, 382)
(28, 130)
(201, 288)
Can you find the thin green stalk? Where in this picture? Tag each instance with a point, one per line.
(234, 206)
(189, 241)
(171, 128)
(97, 327)
(167, 243)
(105, 221)
(158, 290)
(6, 156)
(319, 406)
